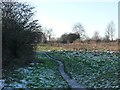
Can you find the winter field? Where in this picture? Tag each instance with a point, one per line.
(90, 69)
(37, 75)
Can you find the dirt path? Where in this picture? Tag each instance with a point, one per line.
(66, 77)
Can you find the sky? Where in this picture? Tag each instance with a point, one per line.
(61, 15)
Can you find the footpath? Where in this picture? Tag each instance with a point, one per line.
(71, 82)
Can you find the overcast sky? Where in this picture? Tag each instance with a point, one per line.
(61, 15)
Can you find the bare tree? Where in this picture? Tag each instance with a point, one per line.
(107, 35)
(48, 33)
(96, 36)
(110, 31)
(79, 29)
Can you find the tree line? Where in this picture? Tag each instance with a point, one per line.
(79, 34)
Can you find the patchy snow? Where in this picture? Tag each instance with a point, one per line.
(2, 83)
(37, 76)
(17, 85)
(92, 68)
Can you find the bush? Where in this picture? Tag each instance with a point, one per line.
(19, 34)
(69, 38)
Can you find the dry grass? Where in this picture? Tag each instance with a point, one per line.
(100, 46)
(112, 46)
(91, 45)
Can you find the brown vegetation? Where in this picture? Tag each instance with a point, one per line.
(89, 45)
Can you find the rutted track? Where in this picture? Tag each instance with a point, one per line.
(71, 82)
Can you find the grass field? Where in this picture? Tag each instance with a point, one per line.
(90, 46)
(47, 47)
(90, 68)
(37, 75)
(93, 70)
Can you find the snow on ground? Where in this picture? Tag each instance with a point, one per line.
(2, 82)
(36, 76)
(37, 79)
(92, 69)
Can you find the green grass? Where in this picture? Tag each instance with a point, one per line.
(37, 75)
(46, 47)
(92, 70)
(89, 70)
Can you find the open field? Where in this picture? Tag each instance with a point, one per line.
(47, 47)
(37, 75)
(89, 69)
(90, 46)
(92, 70)
(100, 46)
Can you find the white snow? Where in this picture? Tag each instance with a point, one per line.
(2, 83)
(38, 77)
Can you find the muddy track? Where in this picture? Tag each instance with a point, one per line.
(71, 82)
